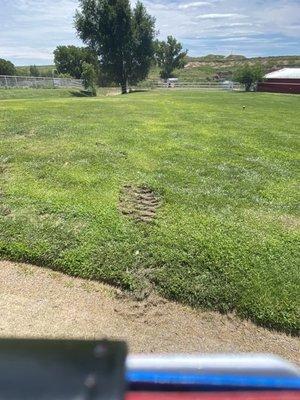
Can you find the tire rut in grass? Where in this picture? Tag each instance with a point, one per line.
(4, 209)
(138, 202)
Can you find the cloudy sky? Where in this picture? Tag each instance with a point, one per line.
(31, 29)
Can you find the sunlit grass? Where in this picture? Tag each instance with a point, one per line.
(226, 233)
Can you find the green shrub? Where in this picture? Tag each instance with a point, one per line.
(89, 77)
(7, 67)
(249, 75)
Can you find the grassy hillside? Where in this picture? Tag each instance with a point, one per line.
(222, 182)
(44, 70)
(224, 67)
(220, 67)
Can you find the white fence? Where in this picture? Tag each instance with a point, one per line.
(204, 85)
(200, 85)
(38, 82)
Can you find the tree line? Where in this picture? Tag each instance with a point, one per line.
(8, 68)
(120, 45)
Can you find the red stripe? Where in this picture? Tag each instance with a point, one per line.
(279, 395)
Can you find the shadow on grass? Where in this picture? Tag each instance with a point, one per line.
(138, 91)
(80, 93)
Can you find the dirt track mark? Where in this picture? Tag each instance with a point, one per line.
(139, 203)
(38, 302)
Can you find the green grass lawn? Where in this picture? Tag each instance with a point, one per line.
(226, 232)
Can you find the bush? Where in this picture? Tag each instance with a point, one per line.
(249, 75)
(34, 71)
(7, 67)
(69, 60)
(89, 77)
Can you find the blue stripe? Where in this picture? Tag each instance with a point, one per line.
(191, 379)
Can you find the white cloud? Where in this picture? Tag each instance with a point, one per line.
(217, 16)
(194, 5)
(282, 17)
(31, 29)
(26, 52)
(237, 24)
(235, 39)
(35, 28)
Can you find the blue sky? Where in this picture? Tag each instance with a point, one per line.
(31, 29)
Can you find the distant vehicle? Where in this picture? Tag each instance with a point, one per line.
(227, 85)
(171, 82)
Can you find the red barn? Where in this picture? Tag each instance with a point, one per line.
(286, 80)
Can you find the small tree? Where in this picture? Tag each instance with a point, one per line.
(34, 71)
(89, 77)
(7, 67)
(249, 75)
(69, 60)
(169, 56)
(121, 37)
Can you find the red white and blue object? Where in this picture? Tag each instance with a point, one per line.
(223, 377)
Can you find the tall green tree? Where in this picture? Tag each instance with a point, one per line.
(143, 46)
(121, 37)
(7, 67)
(69, 59)
(34, 71)
(249, 75)
(169, 56)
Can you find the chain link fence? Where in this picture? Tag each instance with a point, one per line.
(7, 82)
(49, 82)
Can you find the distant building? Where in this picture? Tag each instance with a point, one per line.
(286, 80)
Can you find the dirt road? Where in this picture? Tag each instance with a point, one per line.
(37, 302)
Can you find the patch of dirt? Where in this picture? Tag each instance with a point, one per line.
(4, 164)
(4, 210)
(113, 91)
(138, 202)
(38, 302)
(290, 222)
